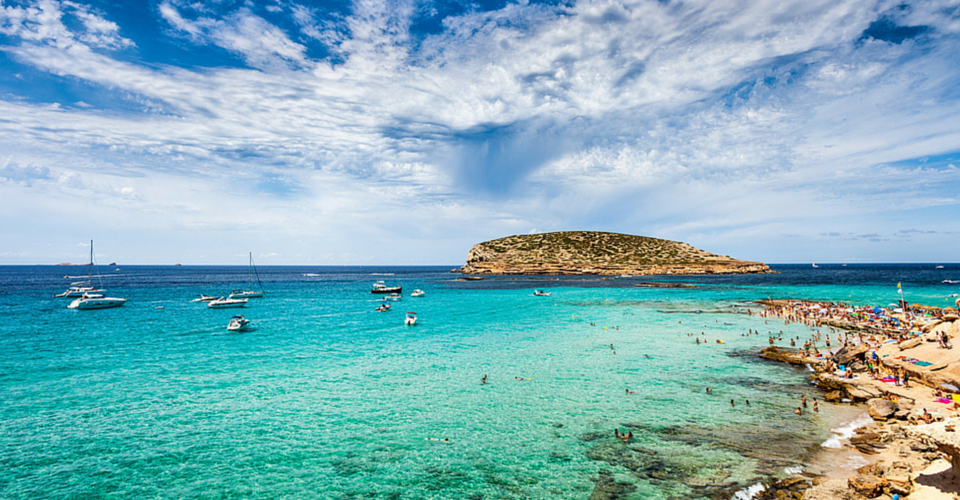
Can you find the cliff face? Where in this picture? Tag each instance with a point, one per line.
(589, 252)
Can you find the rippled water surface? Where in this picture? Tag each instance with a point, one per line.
(326, 398)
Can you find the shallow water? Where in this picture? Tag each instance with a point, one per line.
(327, 399)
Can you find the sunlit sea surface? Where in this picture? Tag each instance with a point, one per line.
(326, 398)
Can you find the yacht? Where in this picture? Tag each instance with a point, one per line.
(96, 301)
(250, 293)
(541, 293)
(417, 293)
(411, 319)
(238, 323)
(90, 297)
(380, 287)
(225, 302)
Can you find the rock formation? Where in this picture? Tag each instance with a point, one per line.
(598, 253)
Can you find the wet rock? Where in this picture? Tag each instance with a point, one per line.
(833, 396)
(881, 409)
(776, 354)
(608, 488)
(868, 486)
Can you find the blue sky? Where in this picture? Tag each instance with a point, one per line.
(403, 132)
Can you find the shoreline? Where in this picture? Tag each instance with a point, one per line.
(910, 442)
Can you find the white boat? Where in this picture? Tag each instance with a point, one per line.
(238, 323)
(541, 293)
(250, 293)
(939, 267)
(225, 302)
(394, 297)
(815, 264)
(96, 301)
(384, 307)
(91, 297)
(78, 291)
(205, 298)
(417, 293)
(381, 287)
(411, 319)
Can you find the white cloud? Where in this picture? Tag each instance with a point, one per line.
(690, 119)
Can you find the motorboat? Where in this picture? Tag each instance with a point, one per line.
(394, 297)
(238, 323)
(225, 302)
(417, 293)
(411, 319)
(384, 307)
(96, 301)
(381, 287)
(205, 298)
(939, 267)
(541, 293)
(250, 293)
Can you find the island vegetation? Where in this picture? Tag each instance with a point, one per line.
(598, 253)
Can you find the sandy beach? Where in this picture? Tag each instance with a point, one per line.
(903, 365)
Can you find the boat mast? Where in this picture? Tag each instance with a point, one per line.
(253, 269)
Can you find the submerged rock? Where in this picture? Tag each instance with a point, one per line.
(608, 488)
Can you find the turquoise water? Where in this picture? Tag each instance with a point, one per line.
(326, 398)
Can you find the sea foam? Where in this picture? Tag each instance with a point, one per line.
(846, 431)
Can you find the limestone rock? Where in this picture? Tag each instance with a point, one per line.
(881, 409)
(868, 486)
(850, 353)
(598, 253)
(910, 344)
(833, 489)
(860, 394)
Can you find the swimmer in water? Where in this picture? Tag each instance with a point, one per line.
(709, 390)
(798, 411)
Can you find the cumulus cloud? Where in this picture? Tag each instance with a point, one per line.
(697, 120)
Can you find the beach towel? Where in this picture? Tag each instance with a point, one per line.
(955, 397)
(945, 401)
(922, 363)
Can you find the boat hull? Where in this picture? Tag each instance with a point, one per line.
(103, 303)
(226, 303)
(391, 289)
(246, 295)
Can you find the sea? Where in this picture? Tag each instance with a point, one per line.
(326, 398)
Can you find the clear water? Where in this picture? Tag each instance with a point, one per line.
(326, 398)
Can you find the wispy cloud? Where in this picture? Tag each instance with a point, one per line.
(706, 121)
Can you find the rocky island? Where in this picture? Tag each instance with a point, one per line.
(598, 253)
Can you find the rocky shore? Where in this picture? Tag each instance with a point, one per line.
(913, 445)
(598, 253)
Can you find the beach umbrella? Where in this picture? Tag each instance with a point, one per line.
(951, 387)
(877, 310)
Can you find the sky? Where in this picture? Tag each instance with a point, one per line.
(403, 132)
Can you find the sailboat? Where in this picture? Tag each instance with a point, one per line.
(90, 299)
(815, 264)
(250, 293)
